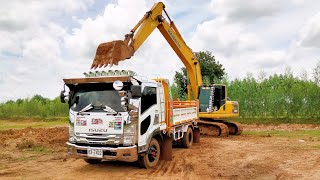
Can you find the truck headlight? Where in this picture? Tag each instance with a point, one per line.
(129, 134)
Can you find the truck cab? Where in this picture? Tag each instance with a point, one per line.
(118, 117)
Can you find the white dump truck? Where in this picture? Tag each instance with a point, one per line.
(115, 115)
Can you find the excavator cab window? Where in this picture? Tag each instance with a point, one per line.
(212, 98)
(219, 96)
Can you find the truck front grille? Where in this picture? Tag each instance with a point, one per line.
(99, 139)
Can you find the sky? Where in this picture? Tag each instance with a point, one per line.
(44, 41)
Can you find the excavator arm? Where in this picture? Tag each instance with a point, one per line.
(112, 52)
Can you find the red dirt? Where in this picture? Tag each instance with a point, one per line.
(233, 157)
(49, 137)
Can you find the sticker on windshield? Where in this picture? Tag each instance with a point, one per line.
(118, 118)
(117, 126)
(81, 122)
(111, 124)
(96, 121)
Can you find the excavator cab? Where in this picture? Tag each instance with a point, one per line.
(215, 108)
(212, 98)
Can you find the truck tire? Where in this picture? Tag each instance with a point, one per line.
(151, 158)
(92, 161)
(187, 139)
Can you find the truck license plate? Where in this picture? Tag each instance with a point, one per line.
(95, 153)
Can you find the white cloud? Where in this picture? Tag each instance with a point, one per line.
(238, 10)
(30, 48)
(310, 33)
(261, 35)
(220, 36)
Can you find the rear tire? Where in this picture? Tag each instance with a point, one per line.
(92, 161)
(151, 158)
(187, 139)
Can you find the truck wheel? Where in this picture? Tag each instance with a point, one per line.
(152, 156)
(92, 161)
(187, 139)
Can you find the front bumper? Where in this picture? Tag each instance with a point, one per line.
(127, 154)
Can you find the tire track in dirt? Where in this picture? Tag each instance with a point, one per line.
(170, 168)
(158, 169)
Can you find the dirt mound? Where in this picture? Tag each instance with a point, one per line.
(30, 137)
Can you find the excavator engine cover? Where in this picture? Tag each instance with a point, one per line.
(111, 53)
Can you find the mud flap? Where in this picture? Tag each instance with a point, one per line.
(196, 135)
(166, 149)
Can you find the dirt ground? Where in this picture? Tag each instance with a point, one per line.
(41, 154)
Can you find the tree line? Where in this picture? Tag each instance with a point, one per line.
(35, 107)
(276, 96)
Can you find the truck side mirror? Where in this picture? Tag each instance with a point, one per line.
(136, 91)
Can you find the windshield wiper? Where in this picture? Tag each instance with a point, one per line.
(87, 108)
(110, 110)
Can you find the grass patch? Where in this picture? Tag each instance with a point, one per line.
(40, 149)
(26, 144)
(30, 145)
(25, 158)
(292, 134)
(278, 120)
(317, 146)
(34, 123)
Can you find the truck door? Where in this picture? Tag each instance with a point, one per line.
(149, 114)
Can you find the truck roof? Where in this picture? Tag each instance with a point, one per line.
(106, 79)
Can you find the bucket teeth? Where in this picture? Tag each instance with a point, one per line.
(110, 53)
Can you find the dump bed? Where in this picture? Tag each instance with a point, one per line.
(184, 111)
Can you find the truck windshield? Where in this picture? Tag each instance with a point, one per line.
(99, 95)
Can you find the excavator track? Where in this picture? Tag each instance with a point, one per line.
(213, 128)
(234, 127)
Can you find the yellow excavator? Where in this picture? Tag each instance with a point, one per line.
(215, 106)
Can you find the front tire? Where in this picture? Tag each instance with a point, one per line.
(187, 139)
(151, 158)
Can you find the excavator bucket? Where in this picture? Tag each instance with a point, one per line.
(111, 53)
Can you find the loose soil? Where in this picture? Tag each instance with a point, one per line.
(110, 53)
(41, 154)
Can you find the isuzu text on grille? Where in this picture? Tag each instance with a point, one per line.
(97, 130)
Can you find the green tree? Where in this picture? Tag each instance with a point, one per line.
(211, 71)
(316, 73)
